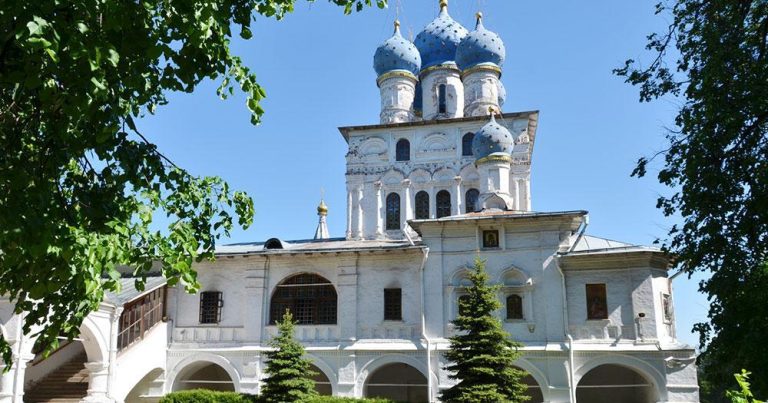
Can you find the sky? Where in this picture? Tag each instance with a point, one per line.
(316, 67)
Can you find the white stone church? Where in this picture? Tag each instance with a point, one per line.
(442, 178)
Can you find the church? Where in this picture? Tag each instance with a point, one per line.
(442, 178)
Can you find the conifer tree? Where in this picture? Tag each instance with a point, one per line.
(482, 354)
(288, 371)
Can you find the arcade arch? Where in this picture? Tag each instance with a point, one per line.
(607, 383)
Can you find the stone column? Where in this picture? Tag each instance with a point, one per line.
(516, 193)
(457, 191)
(432, 203)
(349, 213)
(379, 204)
(114, 332)
(408, 213)
(527, 200)
(358, 198)
(98, 382)
(6, 384)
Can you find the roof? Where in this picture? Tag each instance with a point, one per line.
(589, 244)
(532, 115)
(496, 214)
(314, 245)
(128, 291)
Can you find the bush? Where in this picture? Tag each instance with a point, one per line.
(211, 396)
(334, 399)
(207, 396)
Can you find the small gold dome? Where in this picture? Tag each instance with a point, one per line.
(322, 208)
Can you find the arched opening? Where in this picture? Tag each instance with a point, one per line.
(393, 211)
(443, 200)
(422, 205)
(534, 389)
(149, 385)
(466, 144)
(204, 375)
(441, 99)
(322, 383)
(403, 150)
(470, 200)
(61, 375)
(610, 383)
(310, 298)
(398, 382)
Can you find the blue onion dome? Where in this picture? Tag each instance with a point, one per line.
(396, 53)
(480, 46)
(438, 41)
(492, 138)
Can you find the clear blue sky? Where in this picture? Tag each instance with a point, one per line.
(316, 66)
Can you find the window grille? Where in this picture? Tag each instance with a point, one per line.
(139, 316)
(210, 306)
(403, 150)
(310, 298)
(393, 211)
(470, 200)
(422, 205)
(514, 307)
(393, 307)
(466, 144)
(443, 200)
(441, 95)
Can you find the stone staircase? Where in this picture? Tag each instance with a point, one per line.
(68, 383)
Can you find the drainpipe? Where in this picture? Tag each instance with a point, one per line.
(571, 377)
(425, 251)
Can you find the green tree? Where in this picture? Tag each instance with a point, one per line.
(79, 184)
(482, 354)
(744, 393)
(288, 372)
(712, 62)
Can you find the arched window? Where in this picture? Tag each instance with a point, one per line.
(393, 211)
(466, 144)
(443, 199)
(514, 307)
(422, 205)
(403, 150)
(441, 95)
(470, 200)
(310, 298)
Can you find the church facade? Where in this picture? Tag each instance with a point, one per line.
(443, 178)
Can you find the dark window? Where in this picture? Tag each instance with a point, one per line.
(470, 200)
(597, 304)
(393, 307)
(466, 144)
(514, 307)
(443, 200)
(393, 211)
(666, 306)
(139, 316)
(310, 298)
(441, 98)
(210, 306)
(403, 150)
(491, 239)
(422, 205)
(463, 305)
